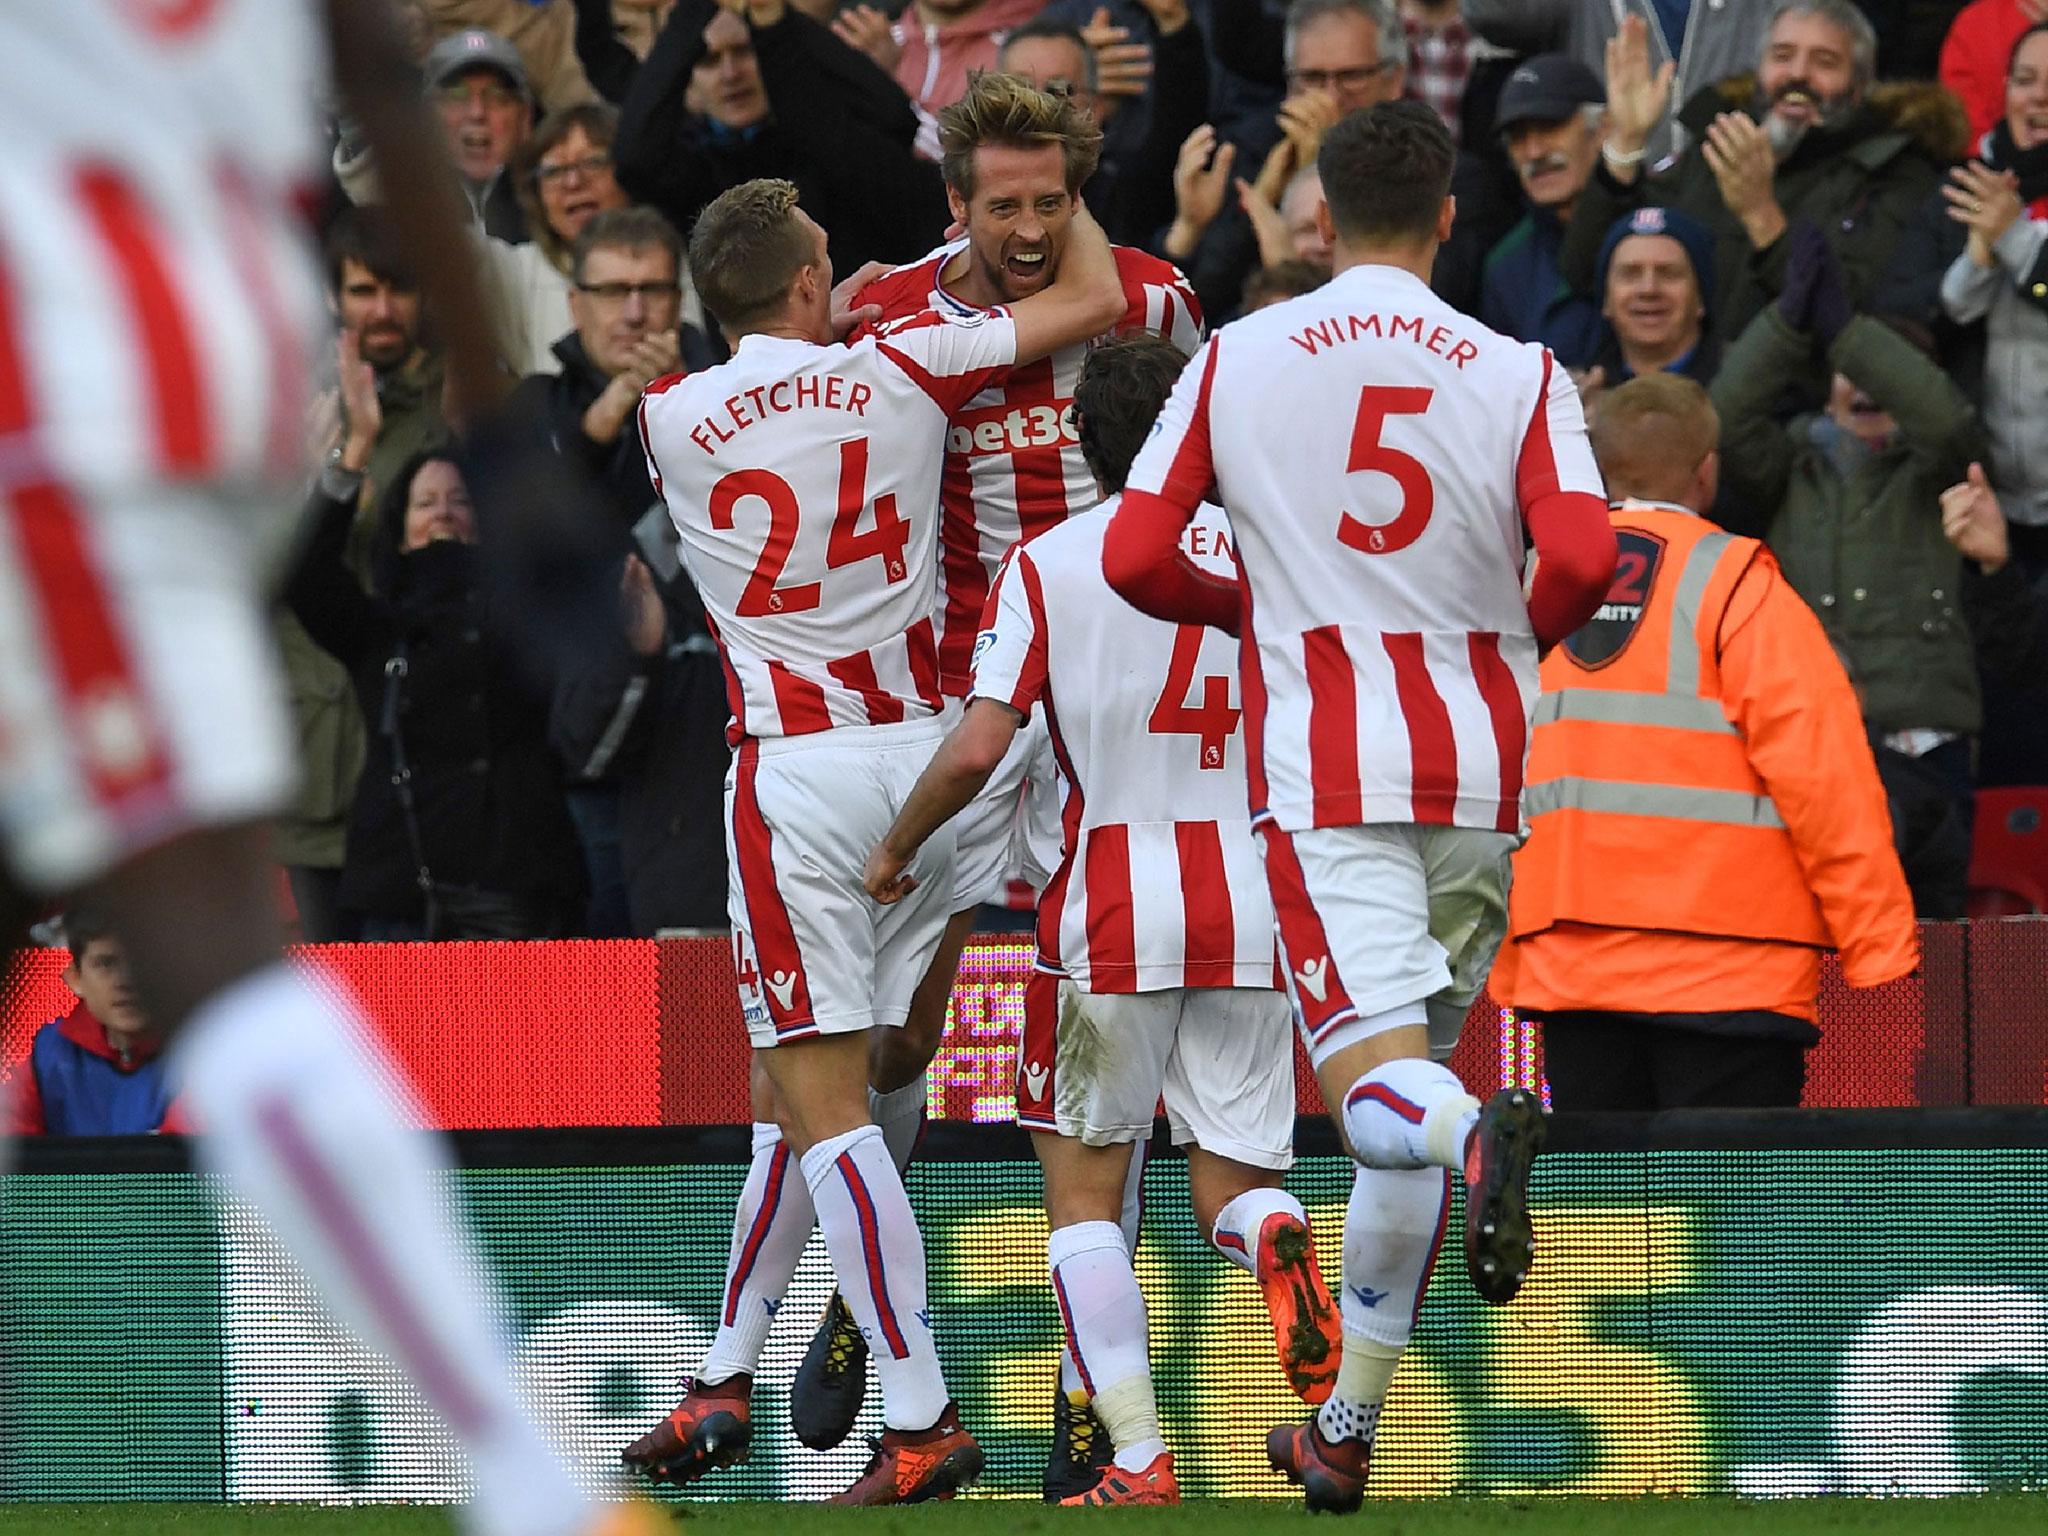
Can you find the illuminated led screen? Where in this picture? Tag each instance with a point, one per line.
(1758, 1321)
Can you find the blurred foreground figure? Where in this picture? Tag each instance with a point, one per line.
(156, 294)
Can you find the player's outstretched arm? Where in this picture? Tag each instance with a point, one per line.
(1085, 299)
(965, 759)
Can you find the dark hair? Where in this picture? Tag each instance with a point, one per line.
(599, 121)
(1060, 31)
(1123, 384)
(1386, 171)
(746, 250)
(364, 236)
(84, 925)
(387, 540)
(2012, 59)
(1283, 280)
(626, 229)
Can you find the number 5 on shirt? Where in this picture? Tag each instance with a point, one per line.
(847, 545)
(1376, 402)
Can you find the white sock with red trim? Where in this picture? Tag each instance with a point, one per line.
(1103, 1313)
(1409, 1113)
(1129, 1221)
(878, 1254)
(1392, 1231)
(306, 1119)
(900, 1114)
(1236, 1233)
(770, 1227)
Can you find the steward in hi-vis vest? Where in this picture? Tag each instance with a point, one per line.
(1705, 816)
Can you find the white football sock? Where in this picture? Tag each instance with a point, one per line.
(1104, 1314)
(1236, 1234)
(770, 1226)
(1130, 1221)
(878, 1254)
(306, 1119)
(1409, 1113)
(1392, 1231)
(900, 1114)
(1352, 1410)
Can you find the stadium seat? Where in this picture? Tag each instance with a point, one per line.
(2009, 852)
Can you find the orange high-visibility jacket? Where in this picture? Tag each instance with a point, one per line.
(1699, 771)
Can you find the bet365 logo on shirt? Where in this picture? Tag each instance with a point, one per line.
(1011, 429)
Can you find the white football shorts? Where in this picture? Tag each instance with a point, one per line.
(816, 955)
(1095, 1066)
(1375, 917)
(140, 693)
(992, 834)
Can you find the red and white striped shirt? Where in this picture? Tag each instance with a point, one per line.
(804, 480)
(1159, 884)
(157, 293)
(1378, 452)
(1013, 462)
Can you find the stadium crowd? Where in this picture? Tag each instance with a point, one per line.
(1771, 199)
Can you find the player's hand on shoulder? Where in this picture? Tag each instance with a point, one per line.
(848, 316)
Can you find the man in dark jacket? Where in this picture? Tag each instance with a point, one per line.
(1549, 119)
(625, 296)
(1808, 143)
(639, 726)
(721, 100)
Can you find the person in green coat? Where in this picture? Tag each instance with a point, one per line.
(1849, 499)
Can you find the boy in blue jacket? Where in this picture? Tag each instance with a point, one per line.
(97, 1071)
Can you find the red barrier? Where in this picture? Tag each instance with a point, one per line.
(640, 1032)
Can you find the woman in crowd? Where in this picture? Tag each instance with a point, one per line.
(1976, 266)
(458, 828)
(563, 174)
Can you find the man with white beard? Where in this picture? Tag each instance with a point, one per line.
(1810, 144)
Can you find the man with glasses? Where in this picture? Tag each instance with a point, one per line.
(479, 90)
(625, 297)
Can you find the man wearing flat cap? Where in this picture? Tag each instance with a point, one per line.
(1549, 120)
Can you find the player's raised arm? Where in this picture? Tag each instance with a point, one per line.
(1084, 299)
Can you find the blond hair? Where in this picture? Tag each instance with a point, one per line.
(1010, 111)
(747, 249)
(1652, 434)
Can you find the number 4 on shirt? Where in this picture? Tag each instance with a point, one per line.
(847, 545)
(1213, 721)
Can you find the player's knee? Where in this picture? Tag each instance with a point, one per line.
(1213, 1182)
(1082, 1183)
